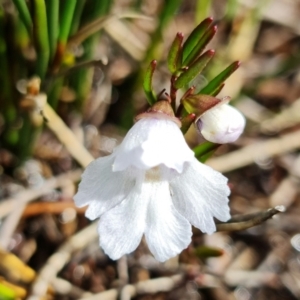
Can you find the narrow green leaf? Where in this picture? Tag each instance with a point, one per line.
(204, 148)
(81, 79)
(28, 132)
(66, 16)
(218, 90)
(54, 92)
(40, 31)
(167, 13)
(214, 85)
(53, 24)
(194, 70)
(147, 85)
(24, 14)
(67, 12)
(22, 39)
(207, 155)
(194, 37)
(202, 43)
(169, 10)
(175, 53)
(77, 16)
(204, 252)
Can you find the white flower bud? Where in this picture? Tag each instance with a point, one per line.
(221, 124)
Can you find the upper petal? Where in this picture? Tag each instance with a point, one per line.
(101, 187)
(151, 142)
(167, 232)
(200, 194)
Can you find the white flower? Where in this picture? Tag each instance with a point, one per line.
(152, 185)
(221, 124)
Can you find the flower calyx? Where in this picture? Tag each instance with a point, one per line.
(161, 109)
(199, 104)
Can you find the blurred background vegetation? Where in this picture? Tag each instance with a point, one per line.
(71, 74)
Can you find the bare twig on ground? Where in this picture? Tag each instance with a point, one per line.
(9, 225)
(37, 208)
(286, 118)
(249, 279)
(58, 260)
(252, 110)
(122, 267)
(64, 287)
(288, 188)
(100, 23)
(163, 284)
(255, 152)
(66, 136)
(152, 286)
(248, 221)
(281, 12)
(111, 294)
(124, 36)
(10, 204)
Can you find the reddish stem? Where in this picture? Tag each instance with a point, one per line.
(173, 92)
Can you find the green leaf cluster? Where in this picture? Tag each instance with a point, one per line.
(35, 41)
(186, 61)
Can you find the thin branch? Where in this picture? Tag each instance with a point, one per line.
(255, 152)
(9, 226)
(58, 260)
(85, 64)
(54, 208)
(122, 268)
(66, 136)
(9, 204)
(98, 24)
(151, 286)
(248, 221)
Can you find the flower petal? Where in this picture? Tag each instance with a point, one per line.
(121, 229)
(167, 232)
(101, 187)
(151, 142)
(200, 194)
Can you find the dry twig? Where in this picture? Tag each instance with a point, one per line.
(58, 260)
(247, 221)
(255, 152)
(10, 204)
(66, 136)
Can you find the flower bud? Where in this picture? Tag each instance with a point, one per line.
(221, 124)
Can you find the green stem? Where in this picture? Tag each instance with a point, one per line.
(77, 16)
(24, 14)
(53, 24)
(67, 11)
(41, 37)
